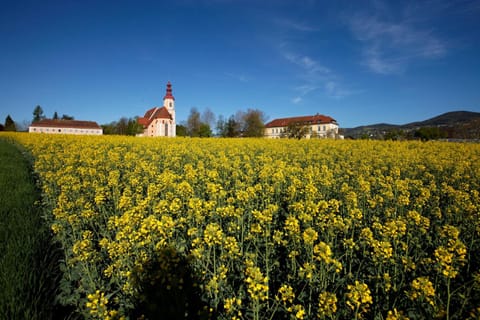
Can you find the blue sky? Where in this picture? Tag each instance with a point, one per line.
(360, 62)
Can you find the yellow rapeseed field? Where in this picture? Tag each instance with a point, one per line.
(263, 229)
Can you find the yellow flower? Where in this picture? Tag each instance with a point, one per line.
(396, 315)
(359, 297)
(213, 234)
(285, 294)
(422, 289)
(327, 304)
(96, 303)
(257, 283)
(310, 236)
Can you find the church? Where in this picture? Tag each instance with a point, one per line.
(160, 121)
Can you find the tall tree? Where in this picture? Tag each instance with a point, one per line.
(220, 126)
(38, 114)
(253, 123)
(133, 127)
(229, 128)
(208, 117)
(10, 124)
(232, 128)
(55, 116)
(194, 123)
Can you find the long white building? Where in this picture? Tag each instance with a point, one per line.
(52, 126)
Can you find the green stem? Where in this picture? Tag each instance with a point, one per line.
(448, 299)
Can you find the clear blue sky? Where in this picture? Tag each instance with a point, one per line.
(360, 62)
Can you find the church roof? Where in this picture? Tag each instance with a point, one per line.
(316, 119)
(154, 113)
(58, 123)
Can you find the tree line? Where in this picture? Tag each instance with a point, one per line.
(248, 123)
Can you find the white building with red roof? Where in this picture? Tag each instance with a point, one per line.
(160, 121)
(58, 126)
(316, 126)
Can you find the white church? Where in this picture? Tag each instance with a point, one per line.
(160, 121)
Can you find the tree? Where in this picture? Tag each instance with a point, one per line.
(208, 117)
(232, 128)
(10, 124)
(253, 123)
(38, 114)
(295, 130)
(124, 126)
(220, 126)
(67, 117)
(205, 131)
(194, 123)
(394, 134)
(133, 127)
(430, 133)
(181, 130)
(55, 116)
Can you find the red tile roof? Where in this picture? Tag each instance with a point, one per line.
(154, 113)
(76, 124)
(316, 119)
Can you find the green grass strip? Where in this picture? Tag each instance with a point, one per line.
(28, 260)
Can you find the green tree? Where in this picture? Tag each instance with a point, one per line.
(430, 133)
(10, 124)
(253, 123)
(38, 114)
(205, 131)
(228, 128)
(395, 134)
(55, 116)
(67, 117)
(181, 130)
(295, 130)
(133, 127)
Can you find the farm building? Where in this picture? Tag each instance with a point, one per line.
(318, 125)
(54, 126)
(160, 121)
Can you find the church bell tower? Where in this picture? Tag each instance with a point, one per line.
(169, 103)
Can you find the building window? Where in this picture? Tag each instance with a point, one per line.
(166, 129)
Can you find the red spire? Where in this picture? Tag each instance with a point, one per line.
(168, 95)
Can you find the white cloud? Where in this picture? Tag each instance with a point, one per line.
(390, 47)
(315, 76)
(307, 63)
(297, 100)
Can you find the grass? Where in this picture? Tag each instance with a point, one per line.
(29, 271)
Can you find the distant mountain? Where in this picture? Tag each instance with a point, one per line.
(446, 119)
(456, 124)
